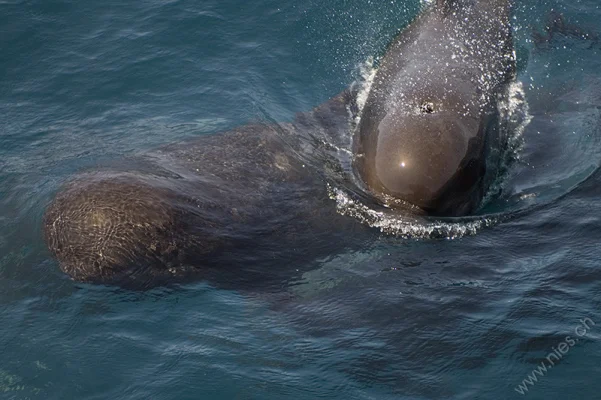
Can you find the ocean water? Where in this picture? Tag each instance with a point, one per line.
(503, 305)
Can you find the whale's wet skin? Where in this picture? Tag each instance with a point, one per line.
(429, 123)
(429, 138)
(209, 153)
(208, 208)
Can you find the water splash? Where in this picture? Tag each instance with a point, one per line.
(515, 112)
(366, 74)
(407, 226)
(515, 116)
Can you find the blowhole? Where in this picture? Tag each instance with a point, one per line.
(427, 107)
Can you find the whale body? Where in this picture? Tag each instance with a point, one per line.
(211, 208)
(218, 206)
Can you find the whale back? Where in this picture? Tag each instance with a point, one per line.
(242, 208)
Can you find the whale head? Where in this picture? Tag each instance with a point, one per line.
(429, 152)
(429, 126)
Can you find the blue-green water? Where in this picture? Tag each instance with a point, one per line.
(84, 83)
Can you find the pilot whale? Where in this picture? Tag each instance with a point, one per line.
(251, 205)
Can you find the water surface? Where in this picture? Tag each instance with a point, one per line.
(86, 83)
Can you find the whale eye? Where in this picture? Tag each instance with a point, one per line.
(427, 107)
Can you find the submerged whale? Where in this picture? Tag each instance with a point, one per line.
(247, 204)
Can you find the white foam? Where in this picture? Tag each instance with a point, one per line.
(406, 226)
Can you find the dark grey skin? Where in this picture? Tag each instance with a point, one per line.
(430, 120)
(247, 207)
(251, 206)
